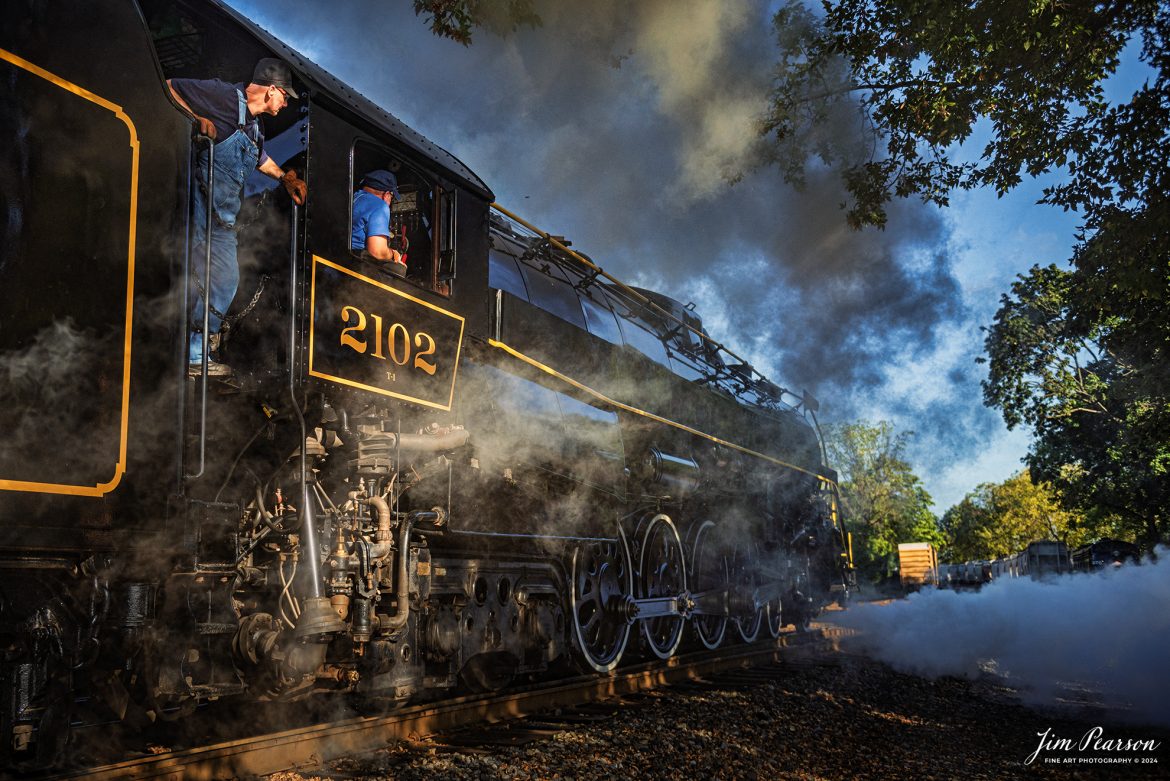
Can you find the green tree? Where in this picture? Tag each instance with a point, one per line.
(962, 525)
(1000, 519)
(1089, 388)
(457, 19)
(1081, 356)
(884, 501)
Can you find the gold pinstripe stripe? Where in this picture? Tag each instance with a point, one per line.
(658, 418)
(120, 468)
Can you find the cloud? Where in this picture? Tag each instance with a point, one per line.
(621, 125)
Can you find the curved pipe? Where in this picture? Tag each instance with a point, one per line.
(401, 581)
(378, 503)
(265, 516)
(395, 622)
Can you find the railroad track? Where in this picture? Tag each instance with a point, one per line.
(310, 747)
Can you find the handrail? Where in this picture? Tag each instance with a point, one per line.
(636, 295)
(206, 309)
(308, 522)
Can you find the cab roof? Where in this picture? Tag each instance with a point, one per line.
(323, 84)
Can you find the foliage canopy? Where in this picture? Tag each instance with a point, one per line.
(885, 503)
(1081, 356)
(1092, 397)
(924, 75)
(457, 19)
(1000, 519)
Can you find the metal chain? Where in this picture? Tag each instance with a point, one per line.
(257, 211)
(226, 321)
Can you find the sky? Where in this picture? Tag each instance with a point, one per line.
(620, 125)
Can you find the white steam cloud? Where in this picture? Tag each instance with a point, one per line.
(1108, 632)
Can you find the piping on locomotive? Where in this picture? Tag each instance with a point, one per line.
(501, 465)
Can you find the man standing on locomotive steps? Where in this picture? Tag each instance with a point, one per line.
(229, 115)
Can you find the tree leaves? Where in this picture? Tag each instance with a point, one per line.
(1087, 373)
(457, 19)
(1081, 356)
(924, 73)
(884, 501)
(1000, 519)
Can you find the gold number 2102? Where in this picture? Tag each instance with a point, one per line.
(397, 344)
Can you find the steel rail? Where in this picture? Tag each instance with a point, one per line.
(308, 748)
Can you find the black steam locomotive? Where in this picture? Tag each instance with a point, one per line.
(499, 466)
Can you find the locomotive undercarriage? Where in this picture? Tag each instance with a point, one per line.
(411, 602)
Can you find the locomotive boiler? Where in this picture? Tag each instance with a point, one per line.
(505, 465)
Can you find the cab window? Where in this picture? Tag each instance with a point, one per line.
(421, 219)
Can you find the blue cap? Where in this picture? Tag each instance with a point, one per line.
(381, 180)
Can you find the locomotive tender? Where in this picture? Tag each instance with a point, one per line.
(506, 463)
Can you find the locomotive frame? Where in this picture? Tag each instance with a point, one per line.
(505, 465)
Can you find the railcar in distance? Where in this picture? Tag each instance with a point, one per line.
(1040, 560)
(1105, 553)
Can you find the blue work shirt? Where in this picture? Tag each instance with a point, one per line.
(217, 100)
(371, 217)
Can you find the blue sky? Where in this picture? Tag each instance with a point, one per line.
(619, 125)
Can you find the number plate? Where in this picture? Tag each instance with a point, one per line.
(368, 335)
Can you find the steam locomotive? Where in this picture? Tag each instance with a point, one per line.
(502, 466)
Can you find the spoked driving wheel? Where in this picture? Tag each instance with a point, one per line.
(774, 607)
(662, 573)
(603, 585)
(745, 580)
(708, 580)
(773, 617)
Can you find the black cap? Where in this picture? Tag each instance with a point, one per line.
(271, 72)
(383, 180)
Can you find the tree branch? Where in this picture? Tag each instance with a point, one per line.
(876, 88)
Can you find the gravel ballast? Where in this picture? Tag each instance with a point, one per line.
(837, 716)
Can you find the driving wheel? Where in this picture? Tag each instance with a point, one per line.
(745, 580)
(603, 587)
(662, 573)
(708, 575)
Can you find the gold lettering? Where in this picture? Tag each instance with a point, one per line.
(377, 336)
(352, 341)
(426, 366)
(398, 341)
(394, 329)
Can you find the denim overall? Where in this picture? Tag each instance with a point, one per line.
(235, 158)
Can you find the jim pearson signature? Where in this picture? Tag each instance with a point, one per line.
(1093, 741)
